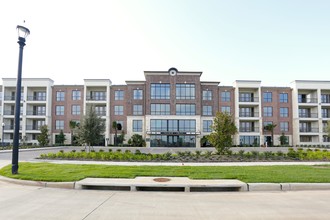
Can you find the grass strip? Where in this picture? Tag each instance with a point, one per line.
(251, 174)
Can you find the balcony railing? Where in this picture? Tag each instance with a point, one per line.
(36, 98)
(307, 100)
(10, 112)
(37, 113)
(96, 98)
(101, 113)
(249, 99)
(33, 127)
(249, 114)
(308, 115)
(325, 115)
(11, 127)
(309, 130)
(248, 129)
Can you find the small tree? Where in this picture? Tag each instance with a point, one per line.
(137, 140)
(91, 129)
(271, 127)
(283, 139)
(114, 126)
(223, 128)
(60, 138)
(43, 136)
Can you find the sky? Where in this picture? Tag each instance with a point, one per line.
(275, 41)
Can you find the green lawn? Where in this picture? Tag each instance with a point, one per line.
(72, 172)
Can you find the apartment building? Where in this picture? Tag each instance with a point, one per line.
(171, 109)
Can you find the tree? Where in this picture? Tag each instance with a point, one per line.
(72, 125)
(271, 127)
(91, 129)
(43, 136)
(114, 126)
(60, 138)
(223, 128)
(137, 140)
(283, 140)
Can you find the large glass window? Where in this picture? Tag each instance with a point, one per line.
(284, 112)
(207, 110)
(76, 95)
(137, 109)
(59, 110)
(284, 126)
(267, 97)
(97, 95)
(59, 124)
(137, 125)
(60, 96)
(160, 109)
(250, 141)
(75, 109)
(160, 91)
(268, 111)
(185, 91)
(225, 96)
(119, 110)
(137, 94)
(100, 110)
(119, 95)
(185, 109)
(207, 125)
(284, 97)
(172, 125)
(207, 95)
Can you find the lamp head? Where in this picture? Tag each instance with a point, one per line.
(23, 32)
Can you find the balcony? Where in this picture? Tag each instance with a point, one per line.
(11, 127)
(101, 113)
(248, 99)
(249, 129)
(308, 115)
(307, 100)
(249, 114)
(10, 112)
(36, 113)
(32, 127)
(309, 130)
(96, 98)
(36, 98)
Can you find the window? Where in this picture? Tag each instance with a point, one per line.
(284, 97)
(59, 124)
(119, 110)
(76, 95)
(75, 109)
(207, 95)
(284, 126)
(267, 96)
(160, 91)
(207, 110)
(173, 125)
(97, 95)
(137, 125)
(325, 98)
(137, 109)
(207, 125)
(39, 96)
(185, 91)
(225, 109)
(137, 94)
(100, 110)
(119, 95)
(247, 97)
(185, 109)
(284, 112)
(160, 109)
(225, 96)
(268, 111)
(60, 96)
(59, 110)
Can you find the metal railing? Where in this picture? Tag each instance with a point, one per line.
(248, 99)
(308, 115)
(307, 100)
(36, 98)
(249, 129)
(41, 113)
(249, 114)
(96, 98)
(309, 130)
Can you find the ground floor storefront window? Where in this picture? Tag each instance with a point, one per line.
(172, 140)
(251, 141)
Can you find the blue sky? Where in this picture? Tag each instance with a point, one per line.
(275, 41)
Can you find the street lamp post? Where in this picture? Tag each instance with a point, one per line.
(23, 32)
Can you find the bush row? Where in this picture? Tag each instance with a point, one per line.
(187, 156)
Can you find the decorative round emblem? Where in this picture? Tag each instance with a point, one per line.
(172, 71)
